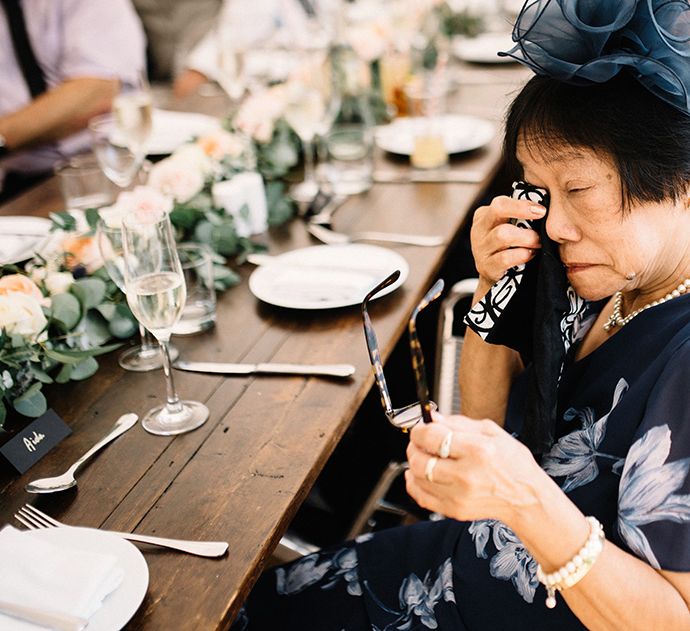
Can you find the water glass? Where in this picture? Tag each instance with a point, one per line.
(83, 183)
(199, 312)
(350, 159)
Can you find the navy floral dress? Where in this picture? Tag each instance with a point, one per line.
(622, 454)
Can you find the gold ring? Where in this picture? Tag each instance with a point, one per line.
(444, 451)
(429, 469)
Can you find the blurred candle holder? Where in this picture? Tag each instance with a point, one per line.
(426, 104)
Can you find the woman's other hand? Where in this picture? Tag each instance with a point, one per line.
(488, 474)
(497, 244)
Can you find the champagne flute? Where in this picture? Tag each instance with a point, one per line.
(156, 294)
(147, 354)
(304, 112)
(120, 138)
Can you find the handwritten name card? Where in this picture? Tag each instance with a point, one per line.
(29, 445)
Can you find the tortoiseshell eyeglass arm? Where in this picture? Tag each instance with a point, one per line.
(416, 351)
(373, 345)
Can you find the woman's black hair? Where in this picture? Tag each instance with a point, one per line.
(648, 139)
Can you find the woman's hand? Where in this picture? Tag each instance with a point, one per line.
(488, 474)
(497, 244)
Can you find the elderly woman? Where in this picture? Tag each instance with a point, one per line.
(591, 527)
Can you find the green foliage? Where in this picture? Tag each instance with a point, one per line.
(462, 22)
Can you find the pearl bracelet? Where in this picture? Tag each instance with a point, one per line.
(575, 569)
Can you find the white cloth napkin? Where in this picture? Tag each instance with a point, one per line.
(38, 573)
(244, 197)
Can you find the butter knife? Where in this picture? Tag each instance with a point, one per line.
(49, 619)
(325, 370)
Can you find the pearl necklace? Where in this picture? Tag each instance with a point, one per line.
(616, 318)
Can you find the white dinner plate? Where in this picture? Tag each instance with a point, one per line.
(460, 133)
(120, 605)
(483, 49)
(172, 129)
(21, 237)
(326, 276)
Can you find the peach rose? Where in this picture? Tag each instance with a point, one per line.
(82, 250)
(221, 143)
(18, 283)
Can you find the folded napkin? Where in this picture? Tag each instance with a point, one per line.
(61, 578)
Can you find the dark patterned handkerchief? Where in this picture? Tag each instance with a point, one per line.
(533, 310)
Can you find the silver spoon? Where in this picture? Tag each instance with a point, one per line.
(67, 479)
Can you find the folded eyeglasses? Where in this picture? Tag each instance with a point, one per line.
(408, 416)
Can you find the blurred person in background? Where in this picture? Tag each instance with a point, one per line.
(61, 63)
(173, 28)
(253, 23)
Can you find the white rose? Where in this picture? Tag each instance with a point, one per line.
(193, 157)
(21, 314)
(112, 216)
(146, 200)
(58, 282)
(176, 179)
(258, 114)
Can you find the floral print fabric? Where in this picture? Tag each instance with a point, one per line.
(622, 454)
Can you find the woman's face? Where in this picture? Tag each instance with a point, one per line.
(600, 246)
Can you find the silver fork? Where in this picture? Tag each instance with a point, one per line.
(34, 519)
(330, 236)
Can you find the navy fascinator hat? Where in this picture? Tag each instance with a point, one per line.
(590, 41)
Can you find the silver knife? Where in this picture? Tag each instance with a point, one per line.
(456, 176)
(326, 370)
(49, 619)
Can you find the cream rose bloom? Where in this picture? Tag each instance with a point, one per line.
(58, 282)
(21, 314)
(175, 179)
(192, 156)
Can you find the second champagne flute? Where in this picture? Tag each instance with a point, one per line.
(156, 294)
(147, 355)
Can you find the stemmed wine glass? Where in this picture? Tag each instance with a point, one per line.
(156, 295)
(146, 355)
(120, 138)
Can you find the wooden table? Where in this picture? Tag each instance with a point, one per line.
(242, 476)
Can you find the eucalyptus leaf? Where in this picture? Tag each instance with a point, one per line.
(40, 375)
(89, 291)
(65, 309)
(84, 369)
(63, 221)
(96, 328)
(122, 325)
(184, 217)
(32, 403)
(92, 218)
(107, 310)
(75, 356)
(65, 373)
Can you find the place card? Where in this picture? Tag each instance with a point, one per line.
(33, 442)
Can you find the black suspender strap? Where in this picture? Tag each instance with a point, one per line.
(33, 75)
